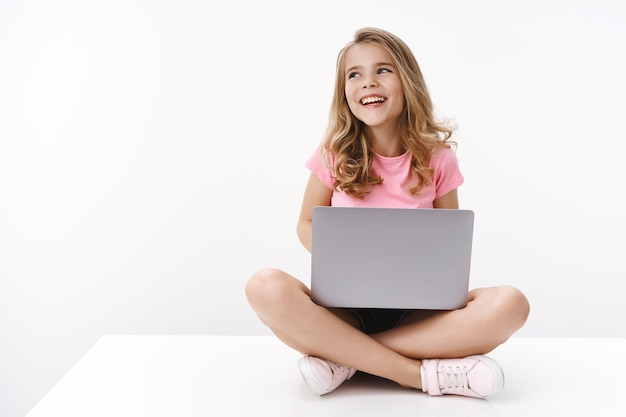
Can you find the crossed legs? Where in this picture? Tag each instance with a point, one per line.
(283, 303)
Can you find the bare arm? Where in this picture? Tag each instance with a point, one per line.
(448, 201)
(315, 194)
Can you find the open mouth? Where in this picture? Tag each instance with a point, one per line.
(372, 100)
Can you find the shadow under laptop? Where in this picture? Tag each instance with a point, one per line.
(375, 396)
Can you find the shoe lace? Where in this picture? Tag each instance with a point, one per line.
(454, 379)
(339, 371)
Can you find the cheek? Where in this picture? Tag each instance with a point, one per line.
(400, 103)
(347, 95)
(351, 102)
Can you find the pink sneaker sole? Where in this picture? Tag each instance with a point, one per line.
(497, 372)
(309, 376)
(323, 376)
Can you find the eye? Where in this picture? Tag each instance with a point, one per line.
(353, 74)
(384, 70)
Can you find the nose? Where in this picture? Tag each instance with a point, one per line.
(369, 82)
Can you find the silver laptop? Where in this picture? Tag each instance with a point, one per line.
(391, 258)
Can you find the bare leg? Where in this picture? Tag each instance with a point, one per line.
(283, 303)
(491, 316)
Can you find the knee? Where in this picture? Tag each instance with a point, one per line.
(267, 287)
(503, 311)
(510, 305)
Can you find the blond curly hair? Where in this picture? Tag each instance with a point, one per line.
(347, 142)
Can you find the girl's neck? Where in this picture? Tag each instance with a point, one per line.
(387, 146)
(388, 149)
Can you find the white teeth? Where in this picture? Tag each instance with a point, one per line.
(369, 100)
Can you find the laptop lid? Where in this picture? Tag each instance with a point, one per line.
(391, 257)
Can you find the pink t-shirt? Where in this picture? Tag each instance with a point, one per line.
(395, 191)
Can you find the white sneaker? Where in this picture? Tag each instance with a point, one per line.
(323, 376)
(474, 376)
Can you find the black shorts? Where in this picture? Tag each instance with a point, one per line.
(376, 320)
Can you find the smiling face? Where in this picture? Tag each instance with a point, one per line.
(373, 88)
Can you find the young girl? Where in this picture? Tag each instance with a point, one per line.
(384, 148)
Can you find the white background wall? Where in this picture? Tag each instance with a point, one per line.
(151, 158)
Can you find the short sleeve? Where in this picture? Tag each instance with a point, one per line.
(318, 167)
(447, 175)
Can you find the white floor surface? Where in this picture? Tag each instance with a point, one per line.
(257, 376)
